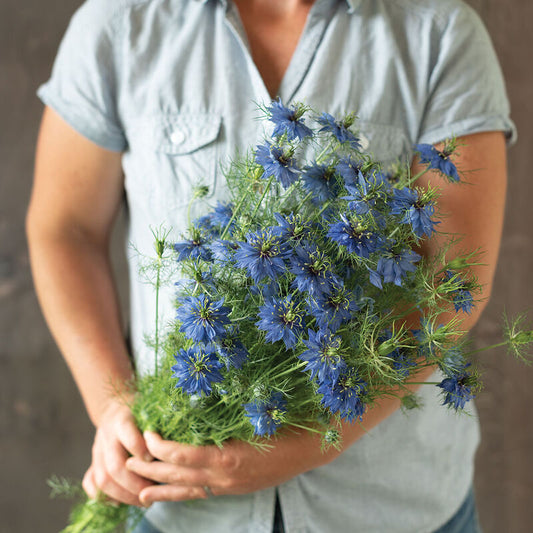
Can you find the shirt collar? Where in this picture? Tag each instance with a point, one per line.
(353, 4)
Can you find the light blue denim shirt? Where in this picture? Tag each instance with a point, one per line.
(172, 85)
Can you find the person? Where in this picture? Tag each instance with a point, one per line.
(147, 96)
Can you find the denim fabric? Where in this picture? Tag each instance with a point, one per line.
(173, 86)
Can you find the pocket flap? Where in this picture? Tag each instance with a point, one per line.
(185, 133)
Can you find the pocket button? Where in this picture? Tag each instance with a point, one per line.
(364, 142)
(177, 137)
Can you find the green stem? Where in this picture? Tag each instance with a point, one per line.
(491, 347)
(237, 209)
(268, 185)
(323, 152)
(157, 286)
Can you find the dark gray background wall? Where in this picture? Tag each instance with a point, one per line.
(43, 427)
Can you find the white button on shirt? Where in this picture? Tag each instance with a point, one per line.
(171, 84)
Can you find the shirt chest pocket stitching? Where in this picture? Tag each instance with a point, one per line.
(182, 134)
(185, 148)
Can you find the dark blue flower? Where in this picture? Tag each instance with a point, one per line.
(267, 415)
(221, 216)
(439, 160)
(232, 350)
(195, 248)
(313, 270)
(339, 129)
(457, 389)
(288, 121)
(418, 214)
(462, 297)
(393, 266)
(282, 319)
(201, 278)
(202, 318)
(321, 182)
(364, 192)
(292, 227)
(333, 309)
(343, 395)
(357, 240)
(323, 355)
(277, 163)
(205, 225)
(222, 250)
(263, 255)
(196, 369)
(349, 169)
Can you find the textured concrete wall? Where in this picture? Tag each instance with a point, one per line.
(43, 428)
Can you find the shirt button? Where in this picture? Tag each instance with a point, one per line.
(177, 137)
(364, 142)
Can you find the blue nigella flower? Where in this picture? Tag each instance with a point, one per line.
(343, 395)
(196, 369)
(205, 225)
(321, 182)
(462, 297)
(358, 241)
(323, 355)
(277, 163)
(439, 160)
(312, 269)
(349, 169)
(282, 319)
(457, 389)
(195, 248)
(339, 129)
(393, 266)
(407, 202)
(267, 415)
(363, 194)
(201, 278)
(232, 350)
(222, 250)
(263, 255)
(292, 227)
(288, 121)
(202, 318)
(333, 309)
(221, 216)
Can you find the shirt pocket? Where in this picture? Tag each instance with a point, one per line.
(387, 144)
(170, 156)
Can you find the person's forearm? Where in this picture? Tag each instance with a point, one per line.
(75, 287)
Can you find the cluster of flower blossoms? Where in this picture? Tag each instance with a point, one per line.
(304, 267)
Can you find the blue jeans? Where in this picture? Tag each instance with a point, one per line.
(464, 521)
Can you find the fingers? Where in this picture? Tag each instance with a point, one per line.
(111, 476)
(180, 454)
(174, 493)
(169, 473)
(131, 438)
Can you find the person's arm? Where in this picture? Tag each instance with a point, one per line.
(76, 194)
(473, 209)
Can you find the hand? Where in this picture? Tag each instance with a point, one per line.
(117, 437)
(236, 468)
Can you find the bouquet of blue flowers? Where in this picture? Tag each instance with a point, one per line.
(296, 299)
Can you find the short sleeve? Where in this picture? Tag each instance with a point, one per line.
(83, 86)
(466, 90)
